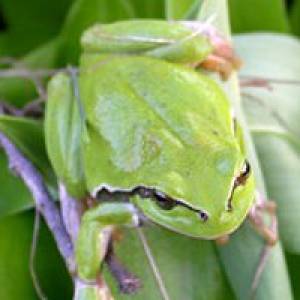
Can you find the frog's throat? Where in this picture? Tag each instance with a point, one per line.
(150, 193)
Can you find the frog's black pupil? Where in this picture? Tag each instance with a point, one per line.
(164, 202)
(203, 216)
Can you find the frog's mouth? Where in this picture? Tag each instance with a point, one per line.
(167, 203)
(164, 201)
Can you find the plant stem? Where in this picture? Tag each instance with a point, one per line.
(43, 201)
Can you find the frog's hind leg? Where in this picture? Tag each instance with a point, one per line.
(269, 233)
(94, 238)
(217, 64)
(223, 59)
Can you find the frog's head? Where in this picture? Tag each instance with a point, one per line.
(207, 199)
(176, 137)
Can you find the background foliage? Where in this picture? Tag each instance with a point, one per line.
(45, 34)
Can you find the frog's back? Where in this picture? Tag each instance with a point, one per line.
(153, 121)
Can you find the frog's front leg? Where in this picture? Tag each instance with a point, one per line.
(269, 233)
(94, 236)
(255, 216)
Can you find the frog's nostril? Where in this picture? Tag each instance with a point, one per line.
(203, 216)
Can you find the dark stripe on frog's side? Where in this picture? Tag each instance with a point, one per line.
(163, 201)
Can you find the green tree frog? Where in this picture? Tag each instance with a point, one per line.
(139, 123)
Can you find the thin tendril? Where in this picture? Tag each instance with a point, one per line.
(153, 264)
(274, 113)
(271, 80)
(261, 267)
(265, 254)
(35, 236)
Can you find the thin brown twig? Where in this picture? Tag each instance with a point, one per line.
(7, 108)
(128, 282)
(8, 60)
(261, 83)
(270, 80)
(41, 90)
(43, 201)
(33, 108)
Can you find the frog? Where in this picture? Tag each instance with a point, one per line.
(143, 129)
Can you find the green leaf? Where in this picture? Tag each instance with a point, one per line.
(30, 23)
(15, 279)
(295, 17)
(294, 266)
(181, 9)
(280, 162)
(273, 116)
(28, 136)
(14, 195)
(258, 15)
(19, 91)
(189, 268)
(240, 258)
(83, 14)
(241, 255)
(148, 8)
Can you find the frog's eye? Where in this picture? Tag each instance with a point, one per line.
(245, 172)
(203, 216)
(239, 180)
(164, 202)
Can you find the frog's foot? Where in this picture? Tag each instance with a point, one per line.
(217, 64)
(222, 240)
(223, 59)
(269, 233)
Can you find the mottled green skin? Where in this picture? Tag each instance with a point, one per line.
(162, 125)
(148, 120)
(63, 131)
(167, 40)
